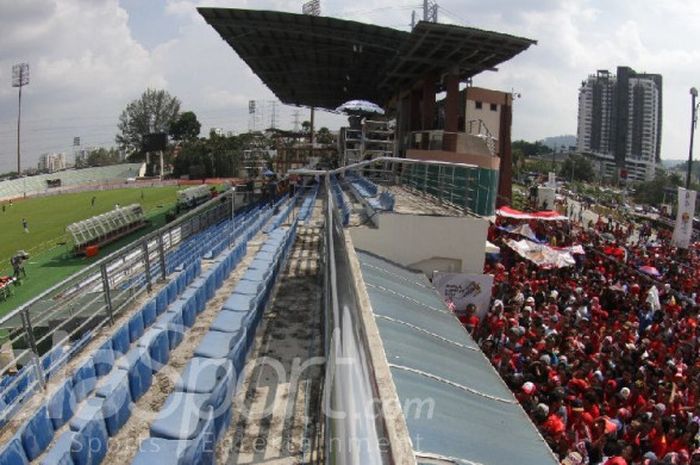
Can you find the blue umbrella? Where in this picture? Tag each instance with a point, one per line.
(268, 173)
(360, 107)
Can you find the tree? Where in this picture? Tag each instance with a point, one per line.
(577, 168)
(153, 112)
(185, 128)
(324, 136)
(530, 149)
(102, 157)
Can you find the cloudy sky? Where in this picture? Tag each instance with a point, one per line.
(89, 58)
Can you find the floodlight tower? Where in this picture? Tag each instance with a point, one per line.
(20, 78)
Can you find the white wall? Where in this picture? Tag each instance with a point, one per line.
(436, 243)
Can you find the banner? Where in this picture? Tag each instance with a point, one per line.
(684, 218)
(542, 255)
(465, 288)
(548, 215)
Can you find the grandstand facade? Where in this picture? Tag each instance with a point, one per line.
(34, 185)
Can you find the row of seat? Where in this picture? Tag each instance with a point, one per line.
(283, 212)
(137, 352)
(364, 186)
(199, 411)
(307, 205)
(16, 389)
(340, 202)
(61, 404)
(385, 201)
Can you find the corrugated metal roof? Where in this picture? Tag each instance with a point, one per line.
(455, 404)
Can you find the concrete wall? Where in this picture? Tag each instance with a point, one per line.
(428, 243)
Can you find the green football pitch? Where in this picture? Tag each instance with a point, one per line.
(47, 242)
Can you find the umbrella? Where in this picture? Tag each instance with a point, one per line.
(650, 270)
(360, 107)
(268, 173)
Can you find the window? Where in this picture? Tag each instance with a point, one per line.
(494, 107)
(477, 104)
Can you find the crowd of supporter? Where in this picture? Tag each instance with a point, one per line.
(601, 357)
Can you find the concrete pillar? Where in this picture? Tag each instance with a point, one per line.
(428, 109)
(451, 103)
(415, 110)
(451, 113)
(505, 174)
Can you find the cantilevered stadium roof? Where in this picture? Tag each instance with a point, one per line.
(322, 62)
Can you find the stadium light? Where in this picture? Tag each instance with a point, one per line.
(20, 78)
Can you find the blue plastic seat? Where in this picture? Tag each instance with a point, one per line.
(161, 301)
(61, 404)
(12, 453)
(201, 375)
(36, 433)
(120, 341)
(191, 294)
(103, 359)
(181, 282)
(216, 344)
(156, 342)
(260, 264)
(240, 303)
(197, 451)
(149, 313)
(171, 290)
(181, 417)
(62, 451)
(91, 440)
(116, 409)
(247, 288)
(229, 321)
(84, 379)
(135, 327)
(187, 310)
(137, 363)
(88, 411)
(172, 322)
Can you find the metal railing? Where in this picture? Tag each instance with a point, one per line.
(354, 427)
(467, 187)
(47, 331)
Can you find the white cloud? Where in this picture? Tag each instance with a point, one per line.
(86, 65)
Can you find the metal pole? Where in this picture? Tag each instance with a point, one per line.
(161, 253)
(146, 265)
(19, 118)
(107, 293)
(31, 341)
(693, 119)
(233, 213)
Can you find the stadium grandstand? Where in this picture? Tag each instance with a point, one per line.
(32, 185)
(233, 337)
(297, 329)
